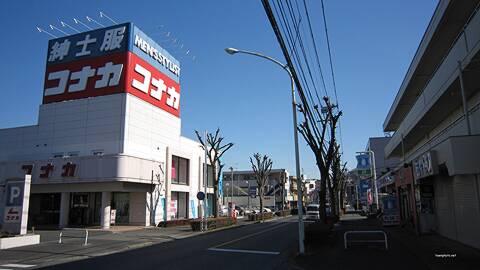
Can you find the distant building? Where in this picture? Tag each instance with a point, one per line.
(245, 189)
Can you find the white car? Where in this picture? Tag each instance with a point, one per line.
(313, 212)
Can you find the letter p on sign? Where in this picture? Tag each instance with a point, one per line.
(14, 194)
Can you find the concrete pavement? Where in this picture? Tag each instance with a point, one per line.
(405, 250)
(100, 243)
(258, 246)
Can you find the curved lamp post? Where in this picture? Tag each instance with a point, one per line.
(233, 51)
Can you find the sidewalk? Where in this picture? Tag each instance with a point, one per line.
(100, 243)
(405, 251)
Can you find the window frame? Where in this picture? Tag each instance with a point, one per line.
(176, 180)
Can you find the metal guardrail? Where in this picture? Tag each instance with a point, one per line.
(346, 241)
(61, 236)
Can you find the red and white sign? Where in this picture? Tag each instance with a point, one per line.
(112, 74)
(146, 82)
(85, 78)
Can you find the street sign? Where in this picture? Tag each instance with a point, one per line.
(363, 161)
(252, 192)
(201, 196)
(17, 194)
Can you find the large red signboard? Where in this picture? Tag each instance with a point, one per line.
(111, 74)
(85, 78)
(102, 62)
(146, 82)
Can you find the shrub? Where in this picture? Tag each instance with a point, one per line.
(174, 223)
(282, 213)
(258, 216)
(213, 223)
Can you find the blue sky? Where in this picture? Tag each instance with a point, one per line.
(372, 43)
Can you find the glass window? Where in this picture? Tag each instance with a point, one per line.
(209, 174)
(180, 169)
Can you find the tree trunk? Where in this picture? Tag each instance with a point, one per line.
(215, 189)
(261, 206)
(322, 196)
(342, 194)
(215, 201)
(333, 202)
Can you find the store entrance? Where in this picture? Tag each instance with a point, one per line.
(121, 204)
(85, 209)
(44, 210)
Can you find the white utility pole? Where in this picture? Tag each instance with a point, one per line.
(205, 180)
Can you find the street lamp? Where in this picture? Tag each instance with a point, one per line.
(285, 67)
(372, 161)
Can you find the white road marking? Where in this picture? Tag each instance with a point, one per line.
(18, 265)
(5, 269)
(245, 251)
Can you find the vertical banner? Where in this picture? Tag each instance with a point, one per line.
(193, 209)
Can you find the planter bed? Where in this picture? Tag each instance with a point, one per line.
(213, 223)
(174, 223)
(257, 217)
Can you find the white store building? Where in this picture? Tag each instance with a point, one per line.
(113, 146)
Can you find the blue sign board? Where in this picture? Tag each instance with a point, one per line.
(363, 161)
(155, 55)
(14, 194)
(113, 39)
(89, 44)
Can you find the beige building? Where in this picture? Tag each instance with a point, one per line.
(435, 118)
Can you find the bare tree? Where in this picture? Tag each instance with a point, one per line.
(261, 168)
(336, 181)
(156, 186)
(215, 150)
(314, 130)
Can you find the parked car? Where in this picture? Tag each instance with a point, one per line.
(255, 210)
(313, 212)
(240, 210)
(224, 210)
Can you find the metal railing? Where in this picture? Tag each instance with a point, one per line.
(62, 235)
(346, 241)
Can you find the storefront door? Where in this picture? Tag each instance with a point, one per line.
(44, 210)
(121, 203)
(85, 208)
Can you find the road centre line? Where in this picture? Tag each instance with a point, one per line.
(250, 235)
(18, 265)
(245, 251)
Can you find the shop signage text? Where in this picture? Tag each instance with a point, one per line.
(424, 165)
(68, 169)
(93, 43)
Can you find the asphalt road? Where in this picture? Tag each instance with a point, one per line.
(258, 246)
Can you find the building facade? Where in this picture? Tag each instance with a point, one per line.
(245, 189)
(435, 118)
(107, 147)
